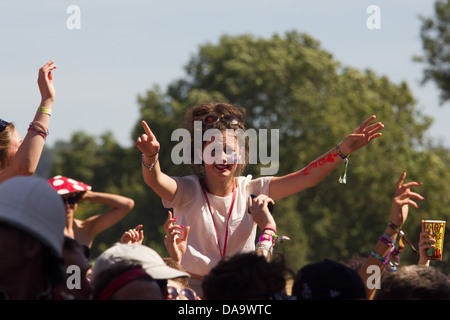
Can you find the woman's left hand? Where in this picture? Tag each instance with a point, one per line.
(361, 136)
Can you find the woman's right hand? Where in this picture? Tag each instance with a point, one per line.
(258, 207)
(147, 142)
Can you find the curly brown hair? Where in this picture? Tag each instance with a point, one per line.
(199, 112)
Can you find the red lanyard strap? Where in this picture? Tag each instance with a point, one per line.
(222, 254)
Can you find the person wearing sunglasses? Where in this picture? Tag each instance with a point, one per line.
(21, 158)
(84, 231)
(214, 200)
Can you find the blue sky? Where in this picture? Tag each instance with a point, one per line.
(125, 47)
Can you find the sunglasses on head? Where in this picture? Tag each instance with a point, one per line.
(208, 120)
(71, 200)
(3, 124)
(186, 292)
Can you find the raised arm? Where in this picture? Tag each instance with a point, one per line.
(379, 257)
(161, 183)
(28, 154)
(316, 171)
(120, 207)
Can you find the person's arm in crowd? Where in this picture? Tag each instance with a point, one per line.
(316, 171)
(120, 207)
(163, 185)
(379, 257)
(258, 208)
(29, 152)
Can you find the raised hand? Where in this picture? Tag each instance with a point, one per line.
(361, 136)
(258, 207)
(175, 245)
(133, 236)
(402, 200)
(147, 142)
(45, 83)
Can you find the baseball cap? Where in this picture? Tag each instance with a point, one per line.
(64, 185)
(31, 205)
(328, 280)
(150, 260)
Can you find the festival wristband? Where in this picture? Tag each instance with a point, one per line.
(45, 110)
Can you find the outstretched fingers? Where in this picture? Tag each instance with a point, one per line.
(373, 131)
(404, 193)
(363, 125)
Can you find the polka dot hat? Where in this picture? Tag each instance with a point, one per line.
(64, 185)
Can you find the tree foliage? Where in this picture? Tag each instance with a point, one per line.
(435, 35)
(286, 82)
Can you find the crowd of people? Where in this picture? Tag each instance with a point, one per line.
(215, 216)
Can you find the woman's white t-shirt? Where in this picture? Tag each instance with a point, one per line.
(191, 209)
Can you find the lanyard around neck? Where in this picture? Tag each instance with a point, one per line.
(222, 253)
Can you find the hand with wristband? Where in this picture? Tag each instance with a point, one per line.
(161, 183)
(402, 200)
(147, 142)
(149, 147)
(318, 169)
(360, 137)
(385, 247)
(259, 209)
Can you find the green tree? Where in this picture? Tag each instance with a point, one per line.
(435, 35)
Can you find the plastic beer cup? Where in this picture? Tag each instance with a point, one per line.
(437, 229)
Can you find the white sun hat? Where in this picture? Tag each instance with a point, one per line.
(31, 205)
(150, 260)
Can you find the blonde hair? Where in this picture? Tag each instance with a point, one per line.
(199, 112)
(5, 142)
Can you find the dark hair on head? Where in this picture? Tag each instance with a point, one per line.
(53, 266)
(199, 112)
(246, 276)
(414, 282)
(71, 244)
